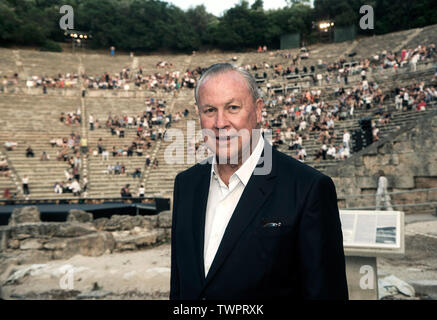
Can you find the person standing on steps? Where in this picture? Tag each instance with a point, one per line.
(382, 193)
(25, 185)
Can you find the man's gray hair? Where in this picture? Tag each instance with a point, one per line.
(220, 68)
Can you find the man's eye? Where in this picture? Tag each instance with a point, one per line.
(234, 108)
(208, 110)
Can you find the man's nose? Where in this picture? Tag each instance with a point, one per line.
(221, 121)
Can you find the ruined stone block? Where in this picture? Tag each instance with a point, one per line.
(74, 230)
(30, 244)
(28, 214)
(164, 219)
(13, 244)
(75, 215)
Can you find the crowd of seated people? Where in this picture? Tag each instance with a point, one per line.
(122, 80)
(108, 81)
(168, 81)
(176, 79)
(67, 80)
(154, 115)
(164, 64)
(68, 150)
(71, 186)
(71, 118)
(119, 168)
(116, 169)
(414, 97)
(384, 60)
(298, 114)
(341, 68)
(10, 80)
(148, 126)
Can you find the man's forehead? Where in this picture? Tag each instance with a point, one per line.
(223, 89)
(228, 79)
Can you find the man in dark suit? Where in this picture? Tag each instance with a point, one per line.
(251, 222)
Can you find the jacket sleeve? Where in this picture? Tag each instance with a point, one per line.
(174, 275)
(320, 244)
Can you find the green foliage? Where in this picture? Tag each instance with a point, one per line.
(9, 22)
(201, 21)
(51, 46)
(150, 25)
(390, 15)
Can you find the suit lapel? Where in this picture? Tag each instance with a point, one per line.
(200, 201)
(255, 194)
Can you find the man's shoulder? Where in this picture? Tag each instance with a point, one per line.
(202, 167)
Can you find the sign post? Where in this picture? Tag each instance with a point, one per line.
(366, 236)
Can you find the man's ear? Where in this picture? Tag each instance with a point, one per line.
(259, 105)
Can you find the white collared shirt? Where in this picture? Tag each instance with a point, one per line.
(222, 201)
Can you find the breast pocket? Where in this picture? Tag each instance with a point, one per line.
(271, 241)
(279, 231)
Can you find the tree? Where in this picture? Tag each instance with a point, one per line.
(257, 5)
(146, 25)
(199, 19)
(9, 22)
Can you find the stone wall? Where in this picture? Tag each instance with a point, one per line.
(409, 160)
(28, 240)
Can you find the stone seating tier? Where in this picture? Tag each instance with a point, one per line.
(28, 121)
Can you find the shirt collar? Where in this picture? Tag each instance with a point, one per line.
(245, 171)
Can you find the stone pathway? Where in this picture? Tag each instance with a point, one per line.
(134, 275)
(418, 266)
(145, 274)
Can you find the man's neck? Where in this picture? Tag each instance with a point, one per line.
(226, 170)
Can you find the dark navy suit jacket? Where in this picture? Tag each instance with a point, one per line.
(302, 258)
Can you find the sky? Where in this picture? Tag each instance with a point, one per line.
(216, 7)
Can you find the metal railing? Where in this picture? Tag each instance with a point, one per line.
(393, 205)
(389, 193)
(70, 200)
(406, 205)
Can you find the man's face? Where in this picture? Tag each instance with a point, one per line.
(226, 107)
